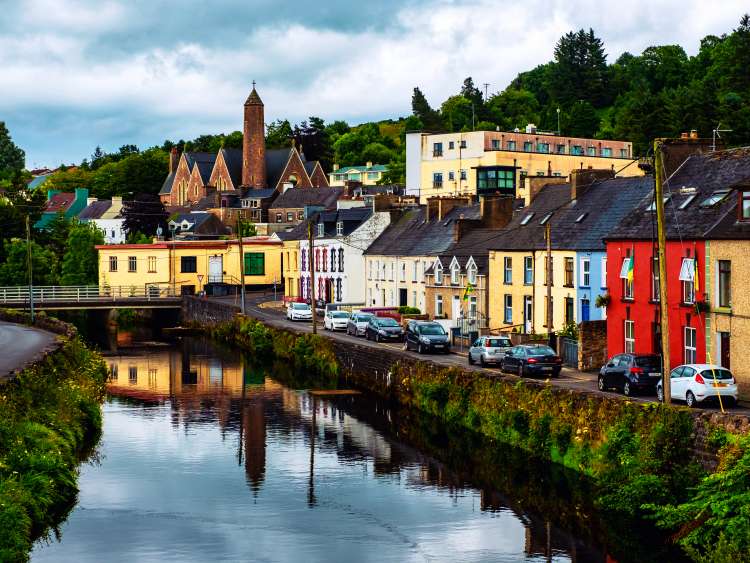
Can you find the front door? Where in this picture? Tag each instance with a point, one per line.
(402, 297)
(527, 314)
(456, 309)
(585, 312)
(215, 269)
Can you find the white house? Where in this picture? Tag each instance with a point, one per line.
(107, 216)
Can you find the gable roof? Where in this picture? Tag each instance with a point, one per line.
(166, 187)
(59, 202)
(95, 210)
(195, 219)
(351, 220)
(301, 197)
(276, 160)
(233, 160)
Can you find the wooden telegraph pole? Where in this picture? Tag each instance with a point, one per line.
(311, 260)
(662, 251)
(548, 265)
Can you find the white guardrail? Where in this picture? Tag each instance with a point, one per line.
(85, 293)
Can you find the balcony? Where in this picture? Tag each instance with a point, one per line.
(437, 185)
(437, 153)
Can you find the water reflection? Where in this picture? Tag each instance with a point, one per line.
(325, 479)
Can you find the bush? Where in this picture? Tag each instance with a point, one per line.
(405, 310)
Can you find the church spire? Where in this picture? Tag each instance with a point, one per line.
(254, 143)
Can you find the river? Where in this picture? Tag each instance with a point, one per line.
(206, 457)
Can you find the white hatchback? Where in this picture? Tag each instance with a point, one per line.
(695, 383)
(336, 320)
(298, 312)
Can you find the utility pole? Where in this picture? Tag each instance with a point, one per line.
(486, 86)
(31, 270)
(311, 260)
(662, 250)
(242, 266)
(548, 236)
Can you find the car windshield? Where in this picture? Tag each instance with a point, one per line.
(364, 317)
(300, 306)
(718, 373)
(540, 351)
(498, 343)
(340, 315)
(650, 363)
(431, 329)
(387, 322)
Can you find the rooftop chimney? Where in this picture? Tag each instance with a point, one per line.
(90, 200)
(174, 159)
(369, 164)
(335, 167)
(536, 183)
(581, 180)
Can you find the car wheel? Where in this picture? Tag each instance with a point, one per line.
(377, 338)
(482, 362)
(600, 384)
(690, 399)
(420, 349)
(660, 394)
(471, 360)
(626, 390)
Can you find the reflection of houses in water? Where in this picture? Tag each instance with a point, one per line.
(254, 428)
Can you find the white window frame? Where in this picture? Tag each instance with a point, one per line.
(438, 305)
(508, 309)
(455, 271)
(691, 345)
(629, 333)
(528, 268)
(321, 229)
(438, 272)
(339, 228)
(472, 307)
(604, 272)
(471, 272)
(687, 277)
(585, 272)
(403, 272)
(507, 270)
(415, 270)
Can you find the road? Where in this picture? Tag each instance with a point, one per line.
(20, 345)
(569, 378)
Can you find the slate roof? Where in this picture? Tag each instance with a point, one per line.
(474, 244)
(59, 202)
(301, 197)
(233, 160)
(351, 218)
(166, 187)
(259, 194)
(698, 178)
(412, 235)
(276, 160)
(95, 210)
(310, 166)
(195, 219)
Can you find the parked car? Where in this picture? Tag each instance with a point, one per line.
(489, 349)
(631, 373)
(696, 383)
(335, 320)
(384, 329)
(531, 359)
(299, 312)
(426, 336)
(357, 324)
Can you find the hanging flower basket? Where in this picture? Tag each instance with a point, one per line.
(603, 301)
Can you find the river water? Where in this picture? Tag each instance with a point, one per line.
(206, 457)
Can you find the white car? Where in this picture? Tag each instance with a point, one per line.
(335, 320)
(299, 312)
(695, 383)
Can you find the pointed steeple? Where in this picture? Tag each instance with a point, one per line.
(254, 143)
(254, 99)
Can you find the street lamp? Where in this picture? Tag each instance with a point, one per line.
(558, 121)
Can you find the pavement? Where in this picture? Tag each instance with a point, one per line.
(21, 345)
(256, 305)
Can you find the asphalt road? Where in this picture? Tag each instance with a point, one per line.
(569, 378)
(20, 345)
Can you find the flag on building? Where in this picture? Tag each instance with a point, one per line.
(468, 291)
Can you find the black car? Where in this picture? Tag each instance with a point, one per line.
(631, 373)
(426, 336)
(384, 329)
(532, 359)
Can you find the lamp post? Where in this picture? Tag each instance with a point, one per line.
(558, 121)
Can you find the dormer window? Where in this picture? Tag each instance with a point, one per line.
(715, 198)
(471, 272)
(527, 219)
(438, 273)
(546, 218)
(339, 228)
(652, 207)
(745, 206)
(321, 230)
(455, 270)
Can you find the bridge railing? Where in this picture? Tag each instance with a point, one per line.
(86, 293)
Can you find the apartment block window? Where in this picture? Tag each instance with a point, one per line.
(188, 264)
(496, 178)
(568, 272)
(508, 309)
(438, 305)
(451, 176)
(560, 149)
(655, 294)
(687, 277)
(576, 150)
(113, 263)
(507, 270)
(495, 144)
(724, 292)
(451, 145)
(437, 149)
(152, 264)
(528, 270)
(549, 271)
(132, 264)
(463, 174)
(289, 216)
(623, 153)
(629, 337)
(527, 146)
(511, 145)
(691, 352)
(542, 147)
(586, 272)
(606, 151)
(341, 259)
(437, 180)
(592, 151)
(255, 263)
(745, 207)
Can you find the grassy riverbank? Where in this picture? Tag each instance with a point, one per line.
(49, 416)
(638, 455)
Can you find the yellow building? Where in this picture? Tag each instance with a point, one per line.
(291, 273)
(494, 162)
(190, 265)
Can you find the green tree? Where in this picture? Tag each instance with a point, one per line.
(376, 153)
(14, 270)
(513, 108)
(421, 108)
(247, 229)
(315, 142)
(581, 120)
(80, 261)
(144, 214)
(279, 135)
(11, 157)
(458, 114)
(580, 72)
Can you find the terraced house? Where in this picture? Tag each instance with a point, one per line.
(577, 215)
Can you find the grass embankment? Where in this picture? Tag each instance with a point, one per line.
(49, 416)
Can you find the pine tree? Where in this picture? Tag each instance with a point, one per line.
(11, 157)
(420, 107)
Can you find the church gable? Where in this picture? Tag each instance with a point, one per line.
(196, 188)
(179, 192)
(318, 178)
(220, 176)
(294, 172)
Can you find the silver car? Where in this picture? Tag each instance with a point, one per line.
(489, 349)
(357, 324)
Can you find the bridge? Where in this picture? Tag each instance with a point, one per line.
(76, 297)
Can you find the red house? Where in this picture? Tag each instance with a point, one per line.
(696, 196)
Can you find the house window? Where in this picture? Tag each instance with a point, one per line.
(341, 259)
(527, 146)
(188, 264)
(255, 263)
(113, 263)
(454, 273)
(626, 274)
(623, 153)
(132, 263)
(451, 145)
(304, 260)
(463, 144)
(279, 218)
(495, 144)
(586, 272)
(317, 259)
(511, 145)
(438, 273)
(300, 215)
(568, 272)
(472, 307)
(507, 270)
(604, 272)
(132, 375)
(508, 309)
(496, 178)
(437, 180)
(542, 147)
(339, 228)
(152, 264)
(576, 150)
(471, 273)
(333, 260)
(437, 149)
(528, 270)
(560, 149)
(415, 268)
(402, 276)
(414, 299)
(655, 294)
(463, 174)
(592, 151)
(438, 305)
(569, 314)
(325, 259)
(715, 198)
(289, 216)
(393, 271)
(451, 176)
(629, 337)
(339, 290)
(690, 345)
(687, 277)
(745, 207)
(724, 292)
(321, 229)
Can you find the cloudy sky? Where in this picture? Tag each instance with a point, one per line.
(81, 73)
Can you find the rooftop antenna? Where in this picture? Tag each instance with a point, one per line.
(486, 86)
(715, 134)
